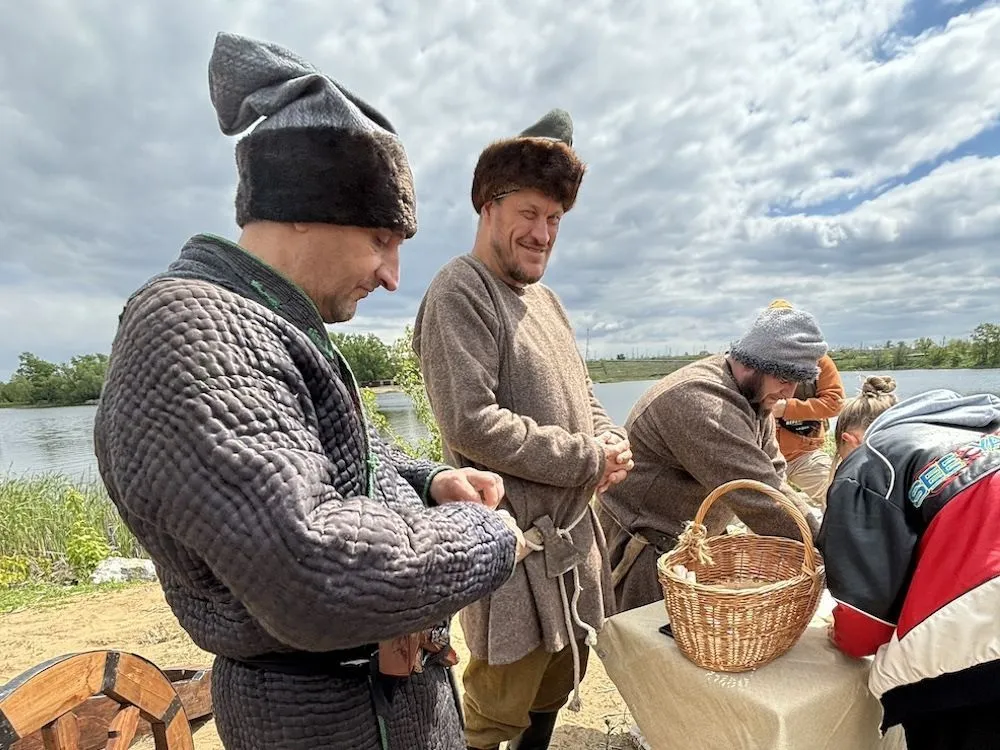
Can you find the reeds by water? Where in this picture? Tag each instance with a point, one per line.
(38, 513)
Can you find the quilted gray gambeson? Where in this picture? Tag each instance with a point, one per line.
(235, 449)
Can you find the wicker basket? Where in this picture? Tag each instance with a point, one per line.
(754, 595)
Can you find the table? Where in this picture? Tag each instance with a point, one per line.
(811, 698)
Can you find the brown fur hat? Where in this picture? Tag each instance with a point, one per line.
(541, 157)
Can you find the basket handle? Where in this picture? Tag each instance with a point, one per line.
(809, 563)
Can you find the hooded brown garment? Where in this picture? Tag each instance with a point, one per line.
(690, 433)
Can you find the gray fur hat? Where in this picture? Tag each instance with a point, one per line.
(783, 342)
(320, 155)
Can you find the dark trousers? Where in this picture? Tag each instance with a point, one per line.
(967, 728)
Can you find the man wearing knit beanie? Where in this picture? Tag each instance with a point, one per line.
(801, 422)
(783, 344)
(511, 393)
(318, 564)
(699, 427)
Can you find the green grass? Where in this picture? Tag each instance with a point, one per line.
(37, 517)
(619, 370)
(830, 444)
(35, 595)
(52, 531)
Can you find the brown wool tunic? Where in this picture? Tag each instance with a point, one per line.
(511, 394)
(691, 432)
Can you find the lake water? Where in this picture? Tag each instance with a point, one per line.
(61, 439)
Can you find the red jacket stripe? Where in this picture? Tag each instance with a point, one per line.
(959, 551)
(858, 634)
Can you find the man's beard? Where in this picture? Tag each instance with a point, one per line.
(342, 311)
(752, 389)
(509, 265)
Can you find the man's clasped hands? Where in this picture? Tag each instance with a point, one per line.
(486, 487)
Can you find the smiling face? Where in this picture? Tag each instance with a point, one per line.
(521, 229)
(339, 266)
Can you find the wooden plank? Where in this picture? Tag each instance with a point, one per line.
(93, 719)
(141, 684)
(122, 729)
(193, 686)
(29, 702)
(62, 734)
(174, 736)
(195, 693)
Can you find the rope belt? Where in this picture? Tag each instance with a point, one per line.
(637, 542)
(534, 539)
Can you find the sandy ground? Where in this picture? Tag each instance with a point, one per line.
(137, 619)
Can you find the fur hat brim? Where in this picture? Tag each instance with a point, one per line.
(795, 373)
(327, 175)
(544, 164)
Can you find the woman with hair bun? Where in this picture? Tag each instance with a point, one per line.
(877, 394)
(911, 542)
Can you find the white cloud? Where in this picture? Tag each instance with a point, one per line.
(73, 323)
(696, 118)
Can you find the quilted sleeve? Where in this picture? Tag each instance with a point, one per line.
(207, 425)
(417, 472)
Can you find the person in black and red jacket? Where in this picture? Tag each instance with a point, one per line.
(911, 542)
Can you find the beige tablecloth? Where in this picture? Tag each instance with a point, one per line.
(812, 698)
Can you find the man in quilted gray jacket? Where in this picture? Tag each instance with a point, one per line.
(317, 563)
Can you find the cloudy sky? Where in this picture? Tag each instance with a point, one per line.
(844, 154)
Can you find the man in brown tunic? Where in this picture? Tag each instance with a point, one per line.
(510, 392)
(706, 424)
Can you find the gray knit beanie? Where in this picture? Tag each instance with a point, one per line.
(320, 155)
(783, 342)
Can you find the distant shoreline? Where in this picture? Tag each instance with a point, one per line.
(604, 372)
(89, 402)
(630, 370)
(383, 388)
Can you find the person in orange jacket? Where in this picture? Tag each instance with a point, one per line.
(802, 424)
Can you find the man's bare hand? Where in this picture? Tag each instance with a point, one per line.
(522, 547)
(617, 459)
(610, 438)
(467, 485)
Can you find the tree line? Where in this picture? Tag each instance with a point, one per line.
(981, 349)
(37, 382)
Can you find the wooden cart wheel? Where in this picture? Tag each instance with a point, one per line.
(43, 700)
